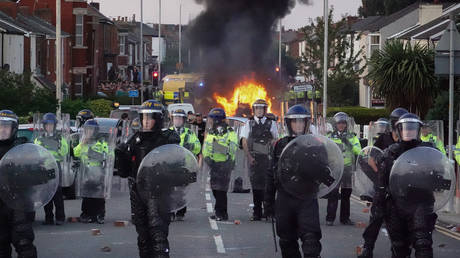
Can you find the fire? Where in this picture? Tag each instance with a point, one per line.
(245, 93)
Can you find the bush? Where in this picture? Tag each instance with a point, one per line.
(100, 107)
(361, 115)
(72, 107)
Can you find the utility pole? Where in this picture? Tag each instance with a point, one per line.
(451, 86)
(141, 51)
(325, 62)
(180, 36)
(58, 58)
(159, 43)
(279, 50)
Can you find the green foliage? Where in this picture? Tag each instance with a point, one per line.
(403, 75)
(72, 107)
(341, 51)
(100, 107)
(361, 115)
(20, 95)
(343, 91)
(440, 109)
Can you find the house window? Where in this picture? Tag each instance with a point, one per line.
(122, 45)
(130, 50)
(79, 31)
(374, 44)
(78, 83)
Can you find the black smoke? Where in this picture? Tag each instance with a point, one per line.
(233, 39)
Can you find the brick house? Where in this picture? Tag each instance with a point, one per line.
(93, 39)
(32, 48)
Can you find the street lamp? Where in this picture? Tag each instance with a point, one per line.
(58, 58)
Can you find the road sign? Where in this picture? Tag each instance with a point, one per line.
(301, 88)
(134, 94)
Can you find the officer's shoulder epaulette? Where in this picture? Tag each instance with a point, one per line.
(427, 144)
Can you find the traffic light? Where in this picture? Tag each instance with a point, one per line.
(155, 78)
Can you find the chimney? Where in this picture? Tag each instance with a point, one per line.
(96, 5)
(134, 17)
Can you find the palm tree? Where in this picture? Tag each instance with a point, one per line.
(404, 76)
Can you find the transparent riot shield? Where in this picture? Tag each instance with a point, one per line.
(422, 176)
(323, 126)
(29, 177)
(332, 126)
(239, 179)
(433, 132)
(56, 139)
(97, 159)
(168, 175)
(376, 129)
(310, 166)
(365, 178)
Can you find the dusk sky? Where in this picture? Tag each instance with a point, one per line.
(170, 13)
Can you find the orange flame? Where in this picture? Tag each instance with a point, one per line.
(245, 93)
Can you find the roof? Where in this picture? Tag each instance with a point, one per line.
(10, 25)
(134, 27)
(5, 27)
(433, 27)
(38, 26)
(363, 24)
(289, 36)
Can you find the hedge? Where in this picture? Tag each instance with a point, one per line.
(361, 115)
(100, 107)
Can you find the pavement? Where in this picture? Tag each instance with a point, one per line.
(198, 236)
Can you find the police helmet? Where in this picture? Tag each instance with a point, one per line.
(341, 117)
(382, 125)
(83, 116)
(297, 112)
(260, 103)
(8, 118)
(154, 110)
(218, 115)
(395, 115)
(408, 127)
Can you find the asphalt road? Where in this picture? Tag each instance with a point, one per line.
(197, 236)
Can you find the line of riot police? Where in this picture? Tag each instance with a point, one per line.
(287, 172)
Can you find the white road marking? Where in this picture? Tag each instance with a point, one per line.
(208, 197)
(209, 207)
(219, 244)
(213, 224)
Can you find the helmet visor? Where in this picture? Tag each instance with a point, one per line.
(298, 126)
(178, 121)
(409, 131)
(149, 120)
(6, 129)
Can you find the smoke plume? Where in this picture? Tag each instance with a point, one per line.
(233, 39)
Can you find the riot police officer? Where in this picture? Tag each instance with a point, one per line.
(372, 230)
(348, 142)
(89, 149)
(427, 136)
(219, 150)
(258, 135)
(188, 140)
(15, 228)
(409, 222)
(57, 145)
(295, 217)
(151, 221)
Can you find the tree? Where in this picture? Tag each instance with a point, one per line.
(344, 59)
(404, 76)
(19, 94)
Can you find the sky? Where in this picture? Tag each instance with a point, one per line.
(298, 17)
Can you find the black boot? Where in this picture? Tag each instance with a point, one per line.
(366, 252)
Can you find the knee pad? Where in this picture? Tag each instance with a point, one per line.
(400, 249)
(289, 248)
(311, 246)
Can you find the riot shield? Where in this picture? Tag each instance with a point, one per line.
(310, 166)
(57, 141)
(168, 174)
(365, 177)
(376, 129)
(422, 176)
(97, 159)
(29, 177)
(239, 179)
(331, 125)
(433, 131)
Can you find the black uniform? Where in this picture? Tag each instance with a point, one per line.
(409, 224)
(295, 218)
(151, 220)
(259, 135)
(376, 219)
(15, 228)
(201, 130)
